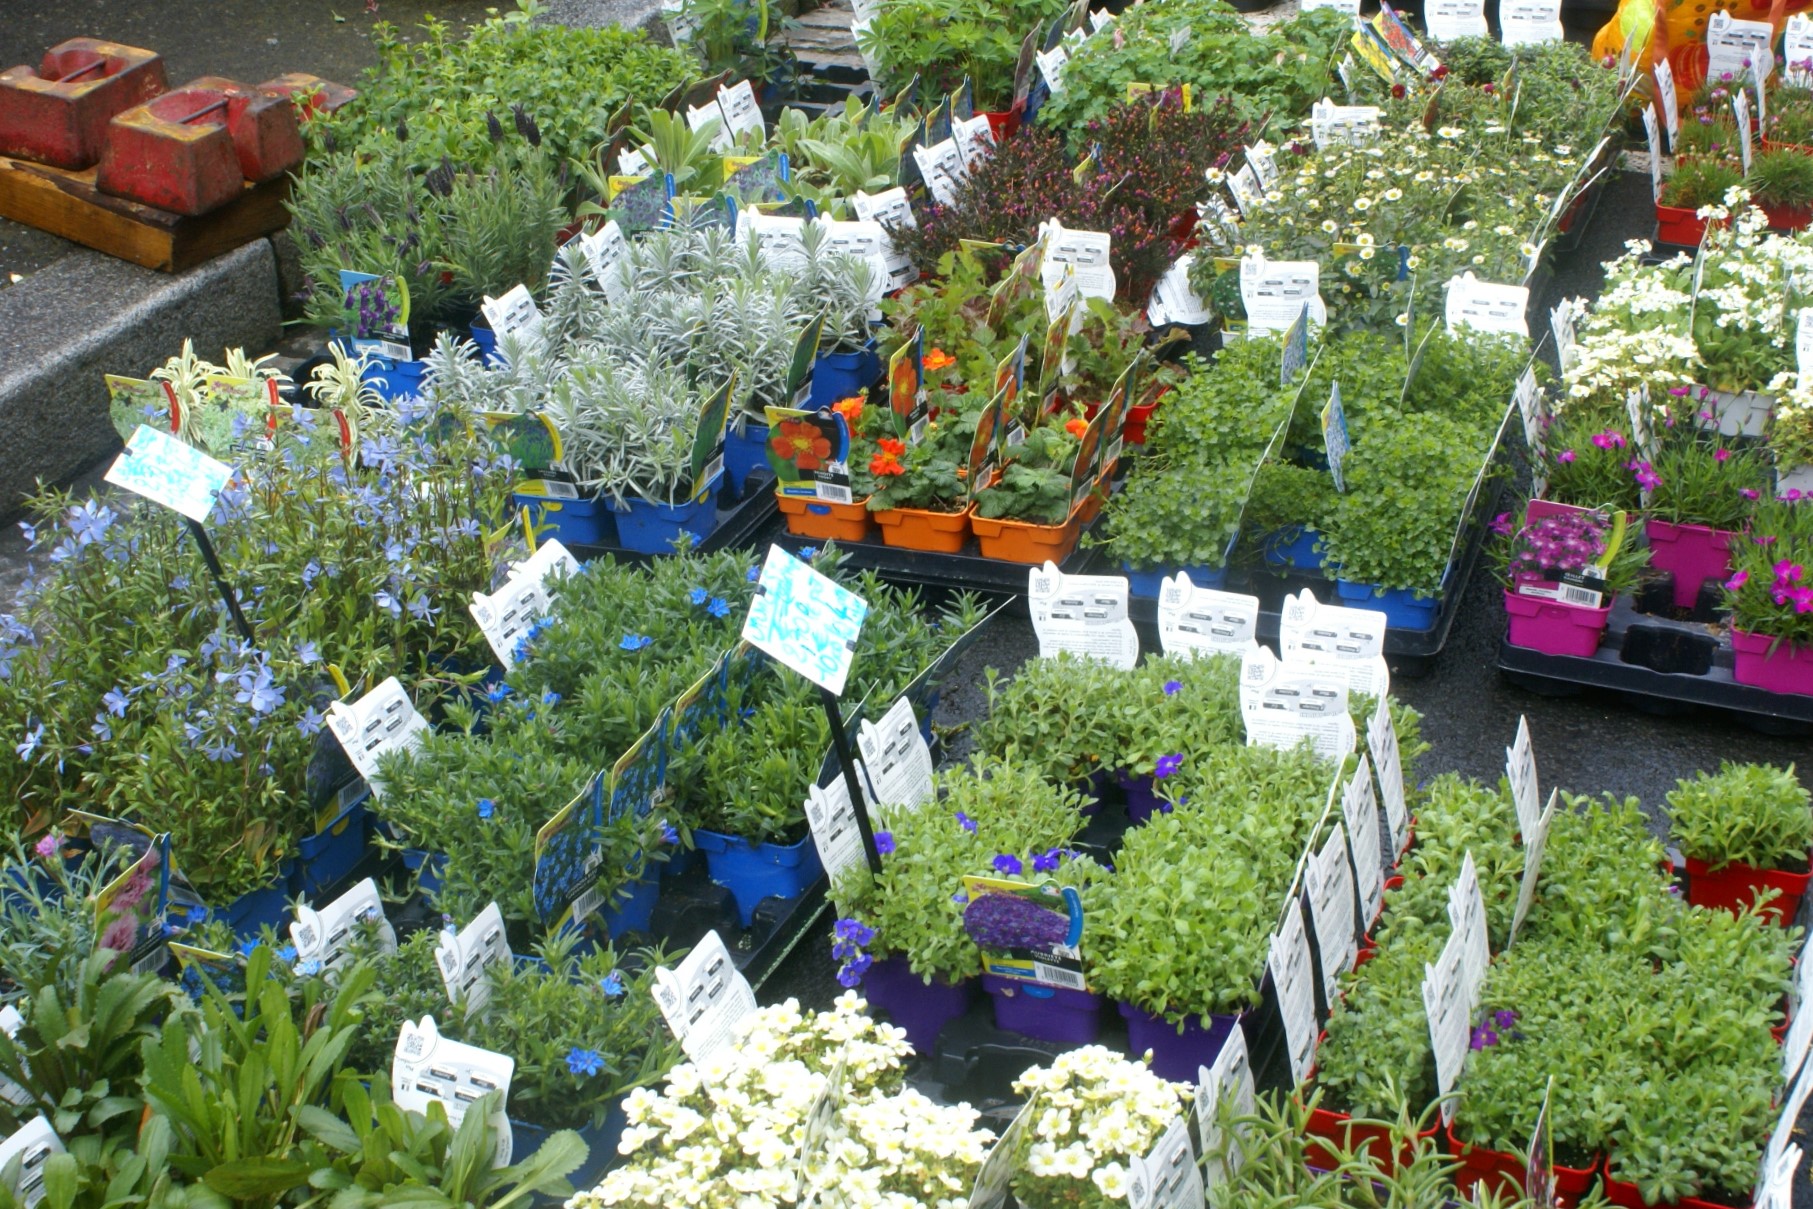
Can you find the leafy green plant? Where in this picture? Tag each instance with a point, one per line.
(1751, 814)
(732, 35)
(944, 42)
(1766, 590)
(1781, 178)
(1035, 485)
(1698, 478)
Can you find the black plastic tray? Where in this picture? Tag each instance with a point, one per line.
(1635, 660)
(737, 527)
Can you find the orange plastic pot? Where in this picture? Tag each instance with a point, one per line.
(919, 529)
(824, 521)
(1025, 542)
(1679, 225)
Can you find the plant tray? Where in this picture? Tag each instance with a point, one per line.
(965, 570)
(738, 525)
(1661, 665)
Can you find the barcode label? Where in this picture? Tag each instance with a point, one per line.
(152, 962)
(1579, 596)
(712, 471)
(833, 494)
(555, 489)
(1058, 976)
(587, 904)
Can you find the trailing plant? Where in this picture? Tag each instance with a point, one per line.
(1749, 814)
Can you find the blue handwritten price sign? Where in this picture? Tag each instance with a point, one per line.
(161, 468)
(805, 620)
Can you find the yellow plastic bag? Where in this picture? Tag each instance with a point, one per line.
(1684, 31)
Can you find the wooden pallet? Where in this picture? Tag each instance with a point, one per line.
(68, 204)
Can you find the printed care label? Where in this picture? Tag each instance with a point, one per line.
(1173, 301)
(942, 168)
(1358, 125)
(1330, 881)
(383, 720)
(1382, 742)
(1446, 20)
(1274, 292)
(704, 999)
(897, 758)
(1360, 810)
(605, 250)
(1292, 974)
(1535, 842)
(806, 620)
(1445, 1001)
(514, 314)
(1467, 918)
(1667, 102)
(1348, 641)
(31, 1144)
(1166, 1177)
(1229, 1081)
(1085, 253)
(464, 957)
(1205, 619)
(324, 936)
(1487, 307)
(1082, 614)
(1282, 704)
(1520, 770)
(832, 821)
(1738, 46)
(1525, 22)
(997, 1170)
(429, 1067)
(890, 209)
(505, 616)
(166, 471)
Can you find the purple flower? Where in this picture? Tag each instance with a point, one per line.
(1167, 765)
(47, 846)
(1046, 861)
(884, 842)
(1173, 687)
(853, 970)
(1750, 493)
(1504, 1018)
(1010, 921)
(854, 931)
(1609, 440)
(1501, 524)
(968, 824)
(1565, 456)
(1482, 1037)
(1008, 864)
(1737, 581)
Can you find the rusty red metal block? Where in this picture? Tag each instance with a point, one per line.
(311, 94)
(59, 113)
(189, 150)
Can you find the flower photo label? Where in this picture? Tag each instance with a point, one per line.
(1229, 1081)
(383, 720)
(704, 999)
(1082, 614)
(505, 616)
(1360, 811)
(463, 958)
(429, 1067)
(1205, 619)
(166, 471)
(324, 936)
(1797, 50)
(1293, 974)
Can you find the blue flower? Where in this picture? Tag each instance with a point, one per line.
(220, 751)
(697, 596)
(103, 729)
(116, 702)
(753, 574)
(1045, 862)
(808, 553)
(33, 738)
(310, 723)
(287, 954)
(585, 1062)
(884, 842)
(719, 607)
(308, 653)
(419, 608)
(89, 523)
(550, 698)
(388, 602)
(31, 533)
(854, 931)
(486, 808)
(1010, 865)
(668, 834)
(309, 969)
(853, 970)
(968, 824)
(635, 642)
(497, 692)
(1167, 765)
(310, 572)
(612, 985)
(1173, 687)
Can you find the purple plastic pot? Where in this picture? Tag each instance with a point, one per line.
(921, 1008)
(1045, 1013)
(1142, 797)
(1693, 554)
(1176, 1055)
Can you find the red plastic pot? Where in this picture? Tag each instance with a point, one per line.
(1788, 218)
(1679, 225)
(1734, 887)
(1627, 1196)
(1341, 1130)
(1762, 661)
(1006, 124)
(1503, 1172)
(1692, 553)
(1553, 627)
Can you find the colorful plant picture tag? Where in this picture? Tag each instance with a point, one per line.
(1335, 440)
(1450, 1017)
(1486, 307)
(1527, 22)
(383, 720)
(515, 314)
(809, 453)
(1351, 641)
(637, 778)
(806, 620)
(1166, 1176)
(31, 1146)
(832, 821)
(1360, 811)
(1329, 878)
(1330, 123)
(1027, 932)
(907, 396)
(323, 936)
(1274, 292)
(704, 999)
(129, 911)
(1467, 918)
(429, 1067)
(465, 957)
(166, 471)
(1737, 46)
(1520, 770)
(1535, 841)
(564, 884)
(1083, 615)
(985, 444)
(1382, 742)
(506, 616)
(997, 1170)
(897, 757)
(1447, 20)
(1173, 299)
(1204, 619)
(1228, 1082)
(942, 168)
(1283, 704)
(1288, 960)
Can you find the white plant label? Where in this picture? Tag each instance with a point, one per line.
(1382, 742)
(704, 999)
(1360, 810)
(832, 822)
(32, 1144)
(1282, 705)
(1330, 880)
(381, 721)
(1535, 842)
(780, 238)
(975, 139)
(1737, 46)
(1229, 1080)
(1173, 300)
(1265, 164)
(1450, 19)
(1445, 1003)
(1467, 917)
(1275, 291)
(997, 1170)
(324, 936)
(1082, 614)
(1797, 49)
(1350, 7)
(1205, 619)
(1166, 1177)
(1294, 977)
(429, 1067)
(709, 115)
(1792, 1101)
(465, 957)
(1060, 292)
(1795, 1046)
(1803, 341)
(943, 170)
(1248, 193)
(897, 758)
(1740, 105)
(806, 620)
(604, 250)
(1085, 253)
(742, 112)
(1667, 102)
(1051, 66)
(1330, 123)
(865, 241)
(504, 616)
(170, 472)
(890, 209)
(1533, 411)
(1487, 307)
(1351, 641)
(1520, 770)
(1525, 22)
(514, 314)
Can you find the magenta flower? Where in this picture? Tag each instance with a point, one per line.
(1609, 440)
(1737, 581)
(1751, 493)
(1679, 392)
(1721, 455)
(1565, 456)
(47, 846)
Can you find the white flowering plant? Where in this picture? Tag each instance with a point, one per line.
(1095, 1111)
(1791, 427)
(727, 1132)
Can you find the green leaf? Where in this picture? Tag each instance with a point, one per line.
(256, 1178)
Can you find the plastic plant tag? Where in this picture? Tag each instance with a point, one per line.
(564, 884)
(1027, 932)
(1449, 19)
(1173, 301)
(1803, 341)
(1797, 50)
(1166, 1176)
(975, 139)
(815, 1132)
(129, 911)
(1336, 637)
(1746, 134)
(383, 720)
(1800, 1023)
(997, 1170)
(942, 168)
(506, 615)
(1229, 1081)
(1329, 877)
(1051, 66)
(514, 314)
(1204, 619)
(1084, 253)
(324, 936)
(1382, 742)
(1792, 1101)
(1467, 918)
(1275, 291)
(1360, 811)
(1666, 101)
(704, 999)
(429, 1067)
(1288, 960)
(1486, 307)
(780, 239)
(1283, 704)
(166, 471)
(31, 1145)
(1775, 1190)
(1244, 188)
(604, 250)
(465, 956)
(1082, 614)
(804, 619)
(1335, 440)
(1520, 770)
(1539, 1166)
(1445, 1003)
(710, 116)
(1351, 7)
(832, 821)
(742, 113)
(1330, 123)
(1736, 46)
(1535, 842)
(10, 1024)
(1526, 22)
(890, 208)
(898, 760)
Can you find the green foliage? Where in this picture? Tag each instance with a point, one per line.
(1781, 178)
(1035, 484)
(1751, 814)
(732, 35)
(943, 42)
(1701, 181)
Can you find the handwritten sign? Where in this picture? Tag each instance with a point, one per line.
(806, 620)
(166, 471)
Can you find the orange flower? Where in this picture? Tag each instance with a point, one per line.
(1076, 427)
(885, 465)
(892, 447)
(850, 409)
(938, 359)
(800, 443)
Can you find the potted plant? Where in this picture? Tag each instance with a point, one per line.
(1056, 715)
(1563, 569)
(1771, 600)
(1781, 182)
(1744, 828)
(1790, 439)
(1069, 1158)
(1284, 513)
(847, 291)
(1029, 514)
(919, 492)
(1697, 183)
(1700, 490)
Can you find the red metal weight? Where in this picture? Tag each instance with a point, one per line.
(189, 150)
(311, 94)
(58, 114)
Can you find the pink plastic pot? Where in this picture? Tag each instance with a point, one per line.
(1787, 668)
(1692, 553)
(1555, 628)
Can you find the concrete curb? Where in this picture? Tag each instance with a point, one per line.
(87, 315)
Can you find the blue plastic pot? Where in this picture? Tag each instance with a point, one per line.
(248, 914)
(1292, 546)
(633, 905)
(572, 522)
(429, 868)
(654, 528)
(329, 855)
(1402, 608)
(745, 454)
(395, 379)
(1146, 584)
(1177, 1055)
(485, 338)
(839, 375)
(753, 872)
(601, 1145)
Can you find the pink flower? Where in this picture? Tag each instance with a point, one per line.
(1721, 455)
(1565, 456)
(1609, 440)
(48, 845)
(1750, 493)
(120, 935)
(1679, 392)
(1737, 581)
